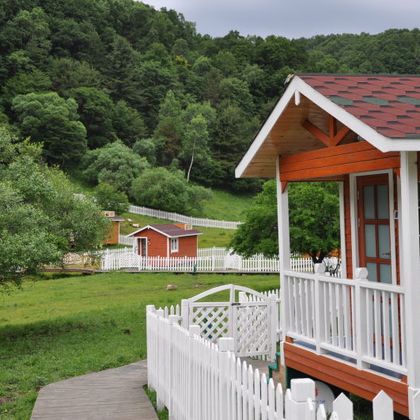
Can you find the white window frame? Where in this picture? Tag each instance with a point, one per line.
(174, 244)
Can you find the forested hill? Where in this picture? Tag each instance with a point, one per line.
(79, 74)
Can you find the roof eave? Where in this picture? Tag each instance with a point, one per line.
(381, 142)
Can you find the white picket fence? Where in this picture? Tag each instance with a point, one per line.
(119, 259)
(125, 240)
(194, 221)
(199, 380)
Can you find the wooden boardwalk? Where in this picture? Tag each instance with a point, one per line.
(110, 394)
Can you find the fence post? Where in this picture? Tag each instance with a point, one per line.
(160, 352)
(297, 407)
(226, 345)
(361, 315)
(272, 303)
(151, 352)
(343, 408)
(173, 319)
(192, 375)
(185, 313)
(383, 407)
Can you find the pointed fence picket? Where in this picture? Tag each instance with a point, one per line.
(199, 380)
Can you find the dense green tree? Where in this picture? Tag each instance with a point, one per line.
(41, 218)
(314, 218)
(195, 148)
(168, 190)
(96, 113)
(146, 148)
(53, 120)
(169, 129)
(67, 73)
(128, 123)
(29, 32)
(109, 198)
(114, 164)
(258, 234)
(314, 221)
(136, 55)
(25, 82)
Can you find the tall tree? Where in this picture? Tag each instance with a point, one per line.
(54, 121)
(95, 108)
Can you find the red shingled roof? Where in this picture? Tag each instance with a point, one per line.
(389, 104)
(171, 230)
(174, 231)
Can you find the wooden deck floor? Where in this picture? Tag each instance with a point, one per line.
(110, 394)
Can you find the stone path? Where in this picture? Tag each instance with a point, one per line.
(110, 394)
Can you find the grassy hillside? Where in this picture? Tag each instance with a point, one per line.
(226, 206)
(57, 328)
(222, 206)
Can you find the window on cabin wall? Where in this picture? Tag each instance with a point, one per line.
(174, 244)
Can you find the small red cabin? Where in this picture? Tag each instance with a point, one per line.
(114, 231)
(166, 240)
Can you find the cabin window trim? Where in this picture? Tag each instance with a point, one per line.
(136, 244)
(354, 219)
(174, 244)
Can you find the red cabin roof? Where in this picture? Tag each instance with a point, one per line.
(170, 230)
(389, 104)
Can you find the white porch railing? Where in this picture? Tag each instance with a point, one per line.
(361, 320)
(199, 380)
(194, 221)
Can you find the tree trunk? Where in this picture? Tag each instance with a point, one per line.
(190, 167)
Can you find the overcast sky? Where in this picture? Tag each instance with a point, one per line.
(295, 18)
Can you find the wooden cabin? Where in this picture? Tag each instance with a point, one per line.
(114, 231)
(359, 332)
(166, 240)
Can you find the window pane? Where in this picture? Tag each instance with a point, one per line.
(370, 240)
(384, 246)
(372, 273)
(383, 202)
(385, 272)
(369, 200)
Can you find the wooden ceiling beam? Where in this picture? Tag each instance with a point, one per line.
(340, 135)
(316, 132)
(333, 138)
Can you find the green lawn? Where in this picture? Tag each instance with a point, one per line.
(210, 237)
(56, 328)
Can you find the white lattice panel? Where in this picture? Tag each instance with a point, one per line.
(213, 321)
(252, 329)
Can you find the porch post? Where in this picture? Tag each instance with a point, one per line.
(410, 268)
(284, 248)
(342, 232)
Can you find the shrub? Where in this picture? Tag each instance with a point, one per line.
(114, 164)
(168, 190)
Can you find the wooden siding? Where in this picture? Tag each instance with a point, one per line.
(336, 161)
(113, 235)
(157, 244)
(363, 383)
(187, 247)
